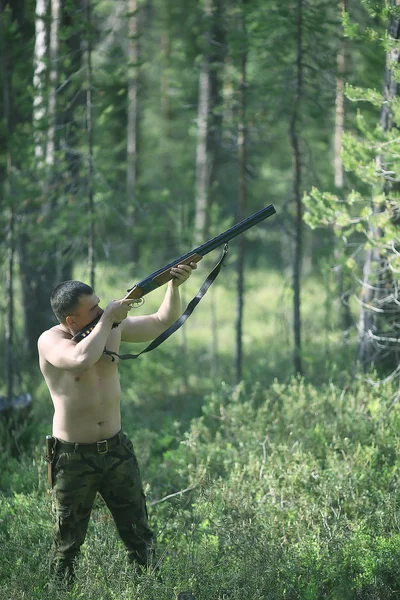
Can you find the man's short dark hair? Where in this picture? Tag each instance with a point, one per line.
(64, 299)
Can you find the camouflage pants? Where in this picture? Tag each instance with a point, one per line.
(77, 477)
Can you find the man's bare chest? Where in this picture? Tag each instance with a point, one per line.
(104, 369)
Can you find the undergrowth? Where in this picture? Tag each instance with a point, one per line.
(293, 494)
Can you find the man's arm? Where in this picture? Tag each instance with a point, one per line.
(66, 354)
(148, 327)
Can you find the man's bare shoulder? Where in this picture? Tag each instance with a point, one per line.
(55, 346)
(53, 336)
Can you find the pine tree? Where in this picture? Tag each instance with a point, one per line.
(371, 209)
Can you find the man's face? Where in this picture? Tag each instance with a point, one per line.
(88, 309)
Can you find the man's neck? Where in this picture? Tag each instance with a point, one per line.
(67, 329)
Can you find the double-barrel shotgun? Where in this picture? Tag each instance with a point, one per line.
(163, 275)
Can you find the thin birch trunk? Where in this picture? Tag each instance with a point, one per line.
(39, 76)
(209, 119)
(166, 57)
(53, 79)
(132, 122)
(339, 105)
(35, 276)
(242, 155)
(165, 105)
(202, 159)
(209, 126)
(296, 160)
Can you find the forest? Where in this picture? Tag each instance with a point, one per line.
(267, 427)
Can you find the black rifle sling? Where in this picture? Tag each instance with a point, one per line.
(179, 322)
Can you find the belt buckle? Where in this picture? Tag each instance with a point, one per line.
(102, 447)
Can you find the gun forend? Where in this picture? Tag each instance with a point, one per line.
(150, 284)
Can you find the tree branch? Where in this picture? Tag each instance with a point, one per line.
(188, 489)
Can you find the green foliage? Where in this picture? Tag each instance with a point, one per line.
(364, 156)
(295, 496)
(366, 218)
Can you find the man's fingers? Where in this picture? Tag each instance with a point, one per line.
(184, 268)
(181, 271)
(130, 302)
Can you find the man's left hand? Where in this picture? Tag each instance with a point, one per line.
(181, 273)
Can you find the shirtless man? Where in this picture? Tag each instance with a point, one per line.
(91, 453)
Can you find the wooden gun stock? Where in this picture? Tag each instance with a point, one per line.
(161, 278)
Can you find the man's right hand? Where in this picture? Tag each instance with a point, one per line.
(117, 310)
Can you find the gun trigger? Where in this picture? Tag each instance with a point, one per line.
(139, 303)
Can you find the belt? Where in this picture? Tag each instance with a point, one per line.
(100, 447)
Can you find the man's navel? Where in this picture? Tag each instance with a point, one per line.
(77, 378)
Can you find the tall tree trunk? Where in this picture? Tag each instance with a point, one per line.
(53, 81)
(36, 252)
(214, 336)
(343, 294)
(89, 132)
(5, 132)
(10, 296)
(209, 121)
(379, 309)
(132, 122)
(63, 265)
(339, 104)
(39, 78)
(5, 92)
(242, 155)
(165, 104)
(72, 98)
(71, 101)
(209, 127)
(166, 57)
(6, 198)
(202, 160)
(296, 160)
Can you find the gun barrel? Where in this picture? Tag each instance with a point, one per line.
(163, 275)
(235, 230)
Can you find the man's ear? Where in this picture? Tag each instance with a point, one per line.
(70, 322)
